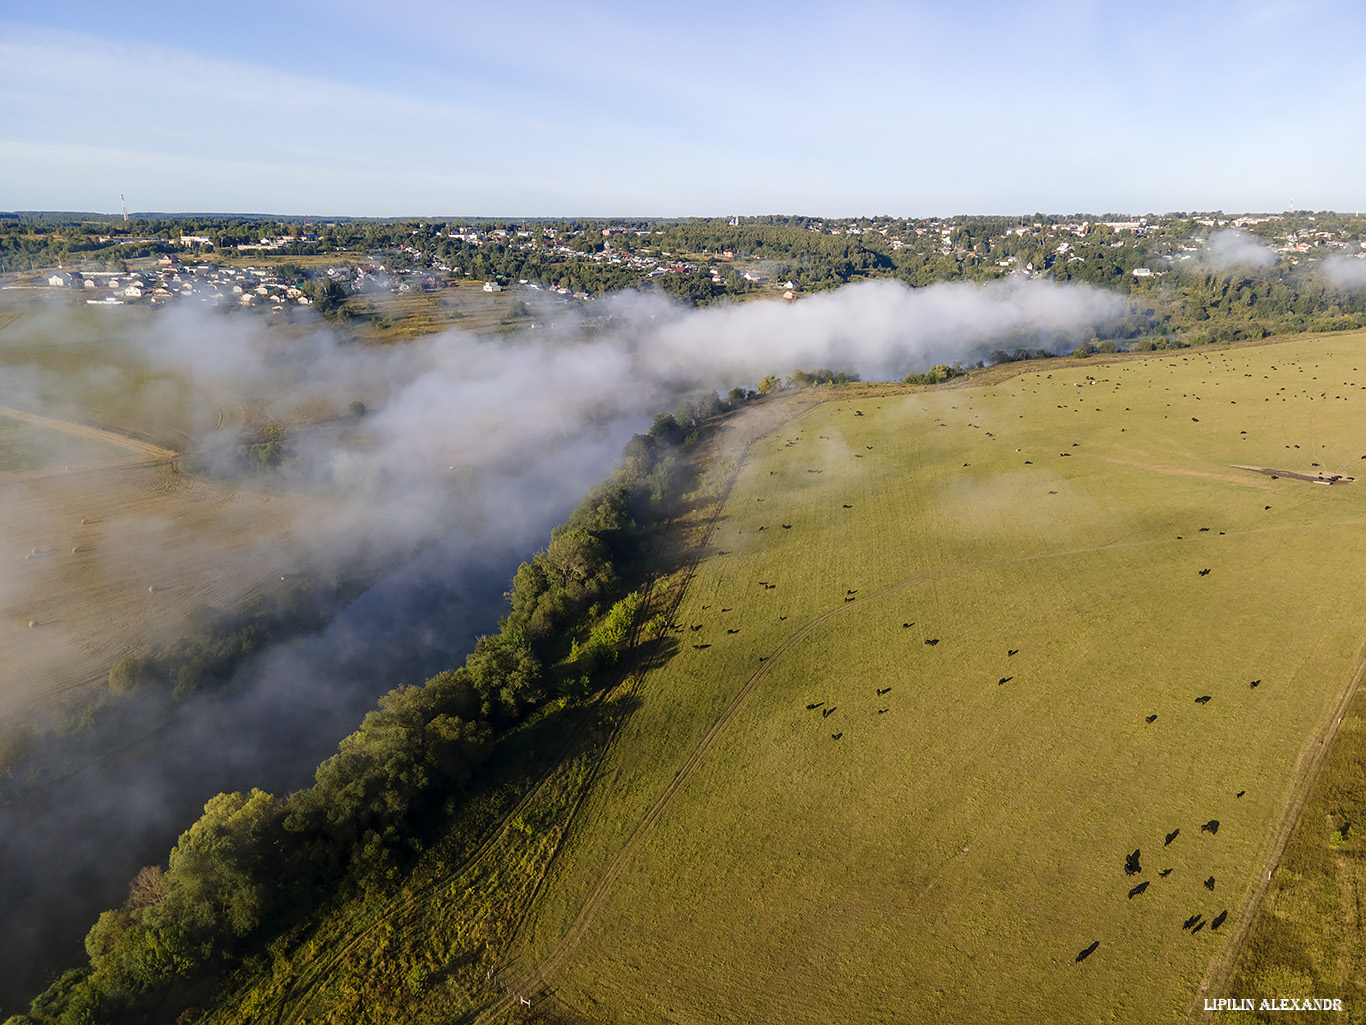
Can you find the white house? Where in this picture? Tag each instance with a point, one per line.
(492, 286)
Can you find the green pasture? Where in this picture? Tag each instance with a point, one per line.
(948, 858)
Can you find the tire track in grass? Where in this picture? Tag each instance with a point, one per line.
(301, 991)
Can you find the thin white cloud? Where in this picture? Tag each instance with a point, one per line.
(1346, 271)
(1232, 248)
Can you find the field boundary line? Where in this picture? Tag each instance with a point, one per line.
(1309, 765)
(155, 453)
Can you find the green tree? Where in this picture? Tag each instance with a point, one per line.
(216, 885)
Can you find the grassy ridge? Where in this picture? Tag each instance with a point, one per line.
(954, 854)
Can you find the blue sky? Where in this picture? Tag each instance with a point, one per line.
(701, 108)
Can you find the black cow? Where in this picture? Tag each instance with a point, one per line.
(1198, 927)
(883, 690)
(1240, 793)
(1151, 718)
(883, 711)
(907, 626)
(815, 705)
(1131, 865)
(1087, 952)
(1012, 651)
(932, 641)
(836, 736)
(1192, 920)
(1170, 837)
(1137, 890)
(1004, 679)
(827, 712)
(1209, 884)
(1203, 699)
(1255, 683)
(701, 647)
(1165, 872)
(1218, 920)
(1212, 826)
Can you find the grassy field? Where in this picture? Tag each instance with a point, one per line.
(948, 858)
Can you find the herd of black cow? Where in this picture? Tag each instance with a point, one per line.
(1132, 862)
(1133, 865)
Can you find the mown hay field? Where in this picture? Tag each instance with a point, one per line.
(107, 547)
(945, 843)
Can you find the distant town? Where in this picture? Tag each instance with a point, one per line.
(1192, 276)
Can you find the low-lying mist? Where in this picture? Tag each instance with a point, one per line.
(452, 455)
